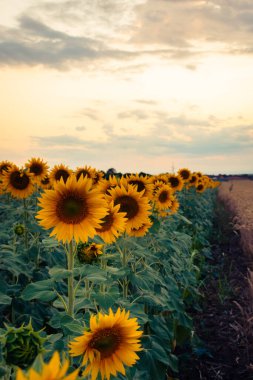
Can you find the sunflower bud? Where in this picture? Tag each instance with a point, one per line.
(88, 253)
(21, 345)
(19, 229)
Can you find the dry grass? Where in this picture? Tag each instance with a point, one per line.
(238, 197)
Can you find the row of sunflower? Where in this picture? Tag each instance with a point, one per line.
(115, 243)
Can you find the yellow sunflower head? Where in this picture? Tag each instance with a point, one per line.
(38, 168)
(45, 183)
(88, 253)
(185, 174)
(53, 370)
(86, 171)
(5, 166)
(105, 185)
(162, 197)
(141, 182)
(18, 182)
(200, 187)
(113, 224)
(59, 172)
(73, 209)
(111, 343)
(141, 231)
(193, 179)
(175, 182)
(97, 176)
(132, 203)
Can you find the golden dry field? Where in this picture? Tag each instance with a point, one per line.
(238, 197)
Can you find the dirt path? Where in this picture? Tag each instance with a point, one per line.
(225, 325)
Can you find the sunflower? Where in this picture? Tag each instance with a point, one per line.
(111, 343)
(87, 253)
(162, 197)
(141, 231)
(53, 370)
(104, 185)
(200, 187)
(113, 224)
(45, 183)
(185, 174)
(133, 203)
(97, 176)
(38, 168)
(172, 209)
(73, 209)
(5, 166)
(141, 183)
(193, 179)
(175, 182)
(58, 172)
(85, 171)
(18, 182)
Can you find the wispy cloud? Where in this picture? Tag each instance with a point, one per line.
(69, 33)
(161, 141)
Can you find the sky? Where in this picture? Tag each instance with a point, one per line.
(135, 85)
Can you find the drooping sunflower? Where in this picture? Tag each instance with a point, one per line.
(133, 203)
(175, 182)
(162, 197)
(18, 182)
(38, 168)
(141, 183)
(58, 172)
(141, 231)
(73, 209)
(53, 370)
(111, 343)
(87, 253)
(5, 166)
(113, 224)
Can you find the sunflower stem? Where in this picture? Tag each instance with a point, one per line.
(25, 223)
(70, 257)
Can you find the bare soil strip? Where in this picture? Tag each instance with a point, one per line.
(225, 324)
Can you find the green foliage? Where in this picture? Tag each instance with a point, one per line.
(156, 277)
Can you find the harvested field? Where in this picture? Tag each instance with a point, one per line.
(237, 195)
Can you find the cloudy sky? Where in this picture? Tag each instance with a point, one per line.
(138, 85)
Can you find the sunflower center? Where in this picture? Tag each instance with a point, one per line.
(19, 180)
(61, 173)
(200, 187)
(185, 174)
(174, 181)
(107, 223)
(163, 196)
(140, 184)
(128, 205)
(106, 341)
(36, 168)
(45, 181)
(71, 209)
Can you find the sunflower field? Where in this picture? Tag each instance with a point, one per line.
(99, 271)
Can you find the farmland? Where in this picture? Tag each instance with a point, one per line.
(102, 273)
